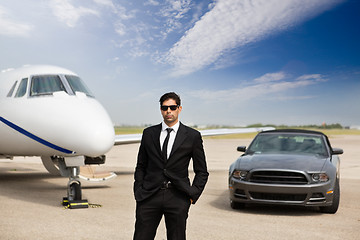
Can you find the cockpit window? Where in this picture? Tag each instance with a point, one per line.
(77, 85)
(46, 85)
(12, 90)
(22, 88)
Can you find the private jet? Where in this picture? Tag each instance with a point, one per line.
(48, 111)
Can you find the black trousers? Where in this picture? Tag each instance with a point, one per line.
(171, 203)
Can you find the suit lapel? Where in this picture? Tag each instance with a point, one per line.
(156, 138)
(179, 139)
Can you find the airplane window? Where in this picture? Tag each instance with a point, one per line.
(22, 88)
(46, 85)
(77, 85)
(12, 90)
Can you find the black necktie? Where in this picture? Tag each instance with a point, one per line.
(165, 145)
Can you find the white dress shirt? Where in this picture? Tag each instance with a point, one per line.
(171, 138)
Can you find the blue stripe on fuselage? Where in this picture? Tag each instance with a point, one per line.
(36, 138)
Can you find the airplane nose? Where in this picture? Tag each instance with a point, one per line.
(98, 132)
(67, 125)
(99, 140)
(87, 128)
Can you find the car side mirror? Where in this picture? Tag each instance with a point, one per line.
(241, 149)
(337, 151)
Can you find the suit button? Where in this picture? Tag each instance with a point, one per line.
(165, 170)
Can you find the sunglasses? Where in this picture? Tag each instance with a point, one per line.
(172, 107)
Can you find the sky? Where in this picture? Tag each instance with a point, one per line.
(233, 62)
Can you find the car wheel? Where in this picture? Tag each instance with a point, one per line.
(336, 200)
(236, 205)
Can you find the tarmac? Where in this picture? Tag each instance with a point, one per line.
(31, 202)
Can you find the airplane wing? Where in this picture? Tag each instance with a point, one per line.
(136, 138)
(127, 139)
(226, 131)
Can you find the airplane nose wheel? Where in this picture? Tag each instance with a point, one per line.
(73, 199)
(74, 190)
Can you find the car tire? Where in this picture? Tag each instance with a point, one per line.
(336, 200)
(237, 205)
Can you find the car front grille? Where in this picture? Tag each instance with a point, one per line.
(278, 196)
(278, 177)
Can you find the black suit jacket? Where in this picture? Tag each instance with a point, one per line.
(152, 170)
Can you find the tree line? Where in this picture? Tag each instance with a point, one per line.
(322, 126)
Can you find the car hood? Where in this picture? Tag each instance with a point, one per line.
(281, 161)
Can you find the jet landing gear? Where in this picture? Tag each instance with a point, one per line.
(70, 167)
(73, 199)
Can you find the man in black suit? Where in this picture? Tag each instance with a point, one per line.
(162, 185)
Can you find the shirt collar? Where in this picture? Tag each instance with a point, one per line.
(175, 127)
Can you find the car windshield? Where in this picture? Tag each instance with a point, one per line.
(288, 143)
(77, 85)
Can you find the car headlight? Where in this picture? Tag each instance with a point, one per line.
(238, 174)
(320, 177)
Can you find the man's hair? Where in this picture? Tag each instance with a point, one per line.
(170, 95)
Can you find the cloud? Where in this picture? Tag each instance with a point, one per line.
(235, 23)
(9, 27)
(172, 12)
(151, 3)
(107, 3)
(68, 13)
(265, 85)
(120, 28)
(157, 24)
(270, 77)
(311, 77)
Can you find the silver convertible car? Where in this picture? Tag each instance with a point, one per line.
(289, 167)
